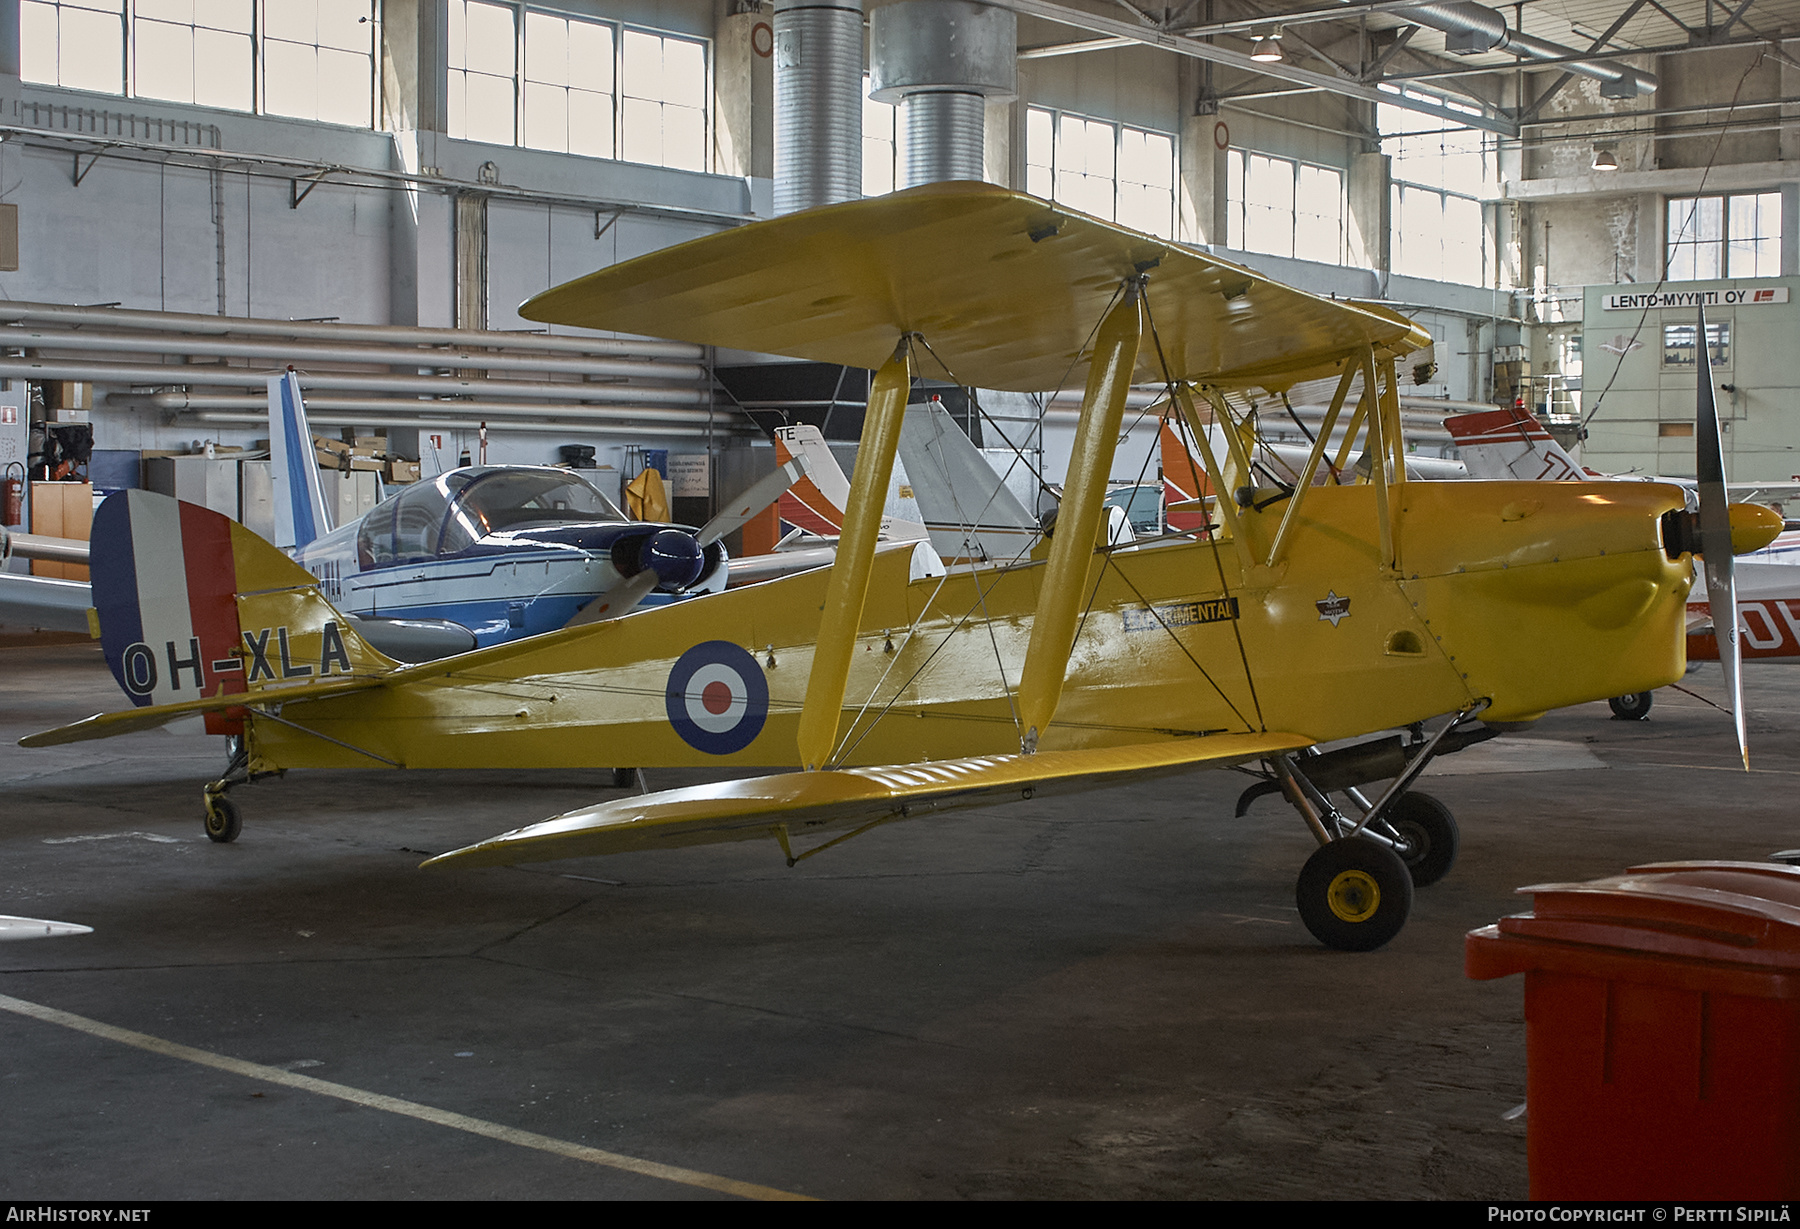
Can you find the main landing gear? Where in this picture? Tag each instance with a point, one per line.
(1356, 890)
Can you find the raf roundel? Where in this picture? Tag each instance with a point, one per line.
(717, 697)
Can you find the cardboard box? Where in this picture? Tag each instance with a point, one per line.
(403, 471)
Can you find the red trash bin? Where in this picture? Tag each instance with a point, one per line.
(1662, 1026)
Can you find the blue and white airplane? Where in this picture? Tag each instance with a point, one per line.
(485, 554)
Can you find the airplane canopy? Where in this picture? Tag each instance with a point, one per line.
(1007, 288)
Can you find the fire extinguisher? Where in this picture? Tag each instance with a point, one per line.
(14, 491)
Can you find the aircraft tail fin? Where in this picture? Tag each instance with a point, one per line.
(816, 501)
(300, 510)
(1511, 444)
(1183, 479)
(195, 607)
(967, 508)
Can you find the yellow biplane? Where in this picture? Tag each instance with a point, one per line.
(1321, 614)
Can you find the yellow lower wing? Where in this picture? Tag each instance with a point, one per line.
(809, 803)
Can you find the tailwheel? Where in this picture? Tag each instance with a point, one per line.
(1354, 895)
(223, 819)
(1428, 836)
(1634, 707)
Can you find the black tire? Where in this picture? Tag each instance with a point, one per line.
(223, 819)
(1429, 830)
(1635, 707)
(1354, 895)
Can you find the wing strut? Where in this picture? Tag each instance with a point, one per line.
(849, 585)
(1078, 519)
(1292, 515)
(1381, 459)
(1224, 501)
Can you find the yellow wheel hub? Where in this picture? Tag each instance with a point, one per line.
(1353, 896)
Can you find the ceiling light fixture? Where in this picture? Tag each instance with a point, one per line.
(1265, 46)
(1604, 160)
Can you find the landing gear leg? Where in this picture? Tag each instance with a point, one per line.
(223, 819)
(1354, 893)
(1423, 832)
(1356, 890)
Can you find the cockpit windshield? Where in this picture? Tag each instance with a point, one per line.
(450, 512)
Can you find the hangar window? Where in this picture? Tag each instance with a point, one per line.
(587, 87)
(315, 58)
(569, 85)
(1438, 177)
(1724, 236)
(1284, 207)
(194, 52)
(318, 60)
(79, 44)
(1113, 171)
(1438, 235)
(483, 76)
(663, 113)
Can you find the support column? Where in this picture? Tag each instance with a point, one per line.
(849, 584)
(1066, 579)
(1371, 204)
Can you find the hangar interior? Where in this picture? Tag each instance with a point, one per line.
(196, 194)
(1500, 173)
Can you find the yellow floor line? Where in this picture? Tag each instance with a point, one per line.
(394, 1105)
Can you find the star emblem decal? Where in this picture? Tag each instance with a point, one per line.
(1333, 608)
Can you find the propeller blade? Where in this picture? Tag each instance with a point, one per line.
(619, 600)
(1715, 536)
(765, 492)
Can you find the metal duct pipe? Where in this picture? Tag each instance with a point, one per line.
(392, 334)
(941, 60)
(941, 137)
(226, 418)
(818, 103)
(280, 353)
(200, 403)
(1471, 28)
(430, 386)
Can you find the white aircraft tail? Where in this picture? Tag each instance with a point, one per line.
(815, 502)
(299, 497)
(970, 514)
(1509, 444)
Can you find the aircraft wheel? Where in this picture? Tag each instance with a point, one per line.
(223, 819)
(1354, 895)
(1429, 830)
(1630, 708)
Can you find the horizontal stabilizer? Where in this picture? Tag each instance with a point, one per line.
(794, 804)
(131, 720)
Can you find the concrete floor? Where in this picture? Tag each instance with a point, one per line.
(1104, 996)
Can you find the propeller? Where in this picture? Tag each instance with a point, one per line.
(1715, 546)
(675, 557)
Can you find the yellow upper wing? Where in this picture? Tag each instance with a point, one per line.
(1006, 287)
(814, 803)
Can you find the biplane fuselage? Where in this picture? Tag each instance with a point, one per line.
(1303, 615)
(1180, 639)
